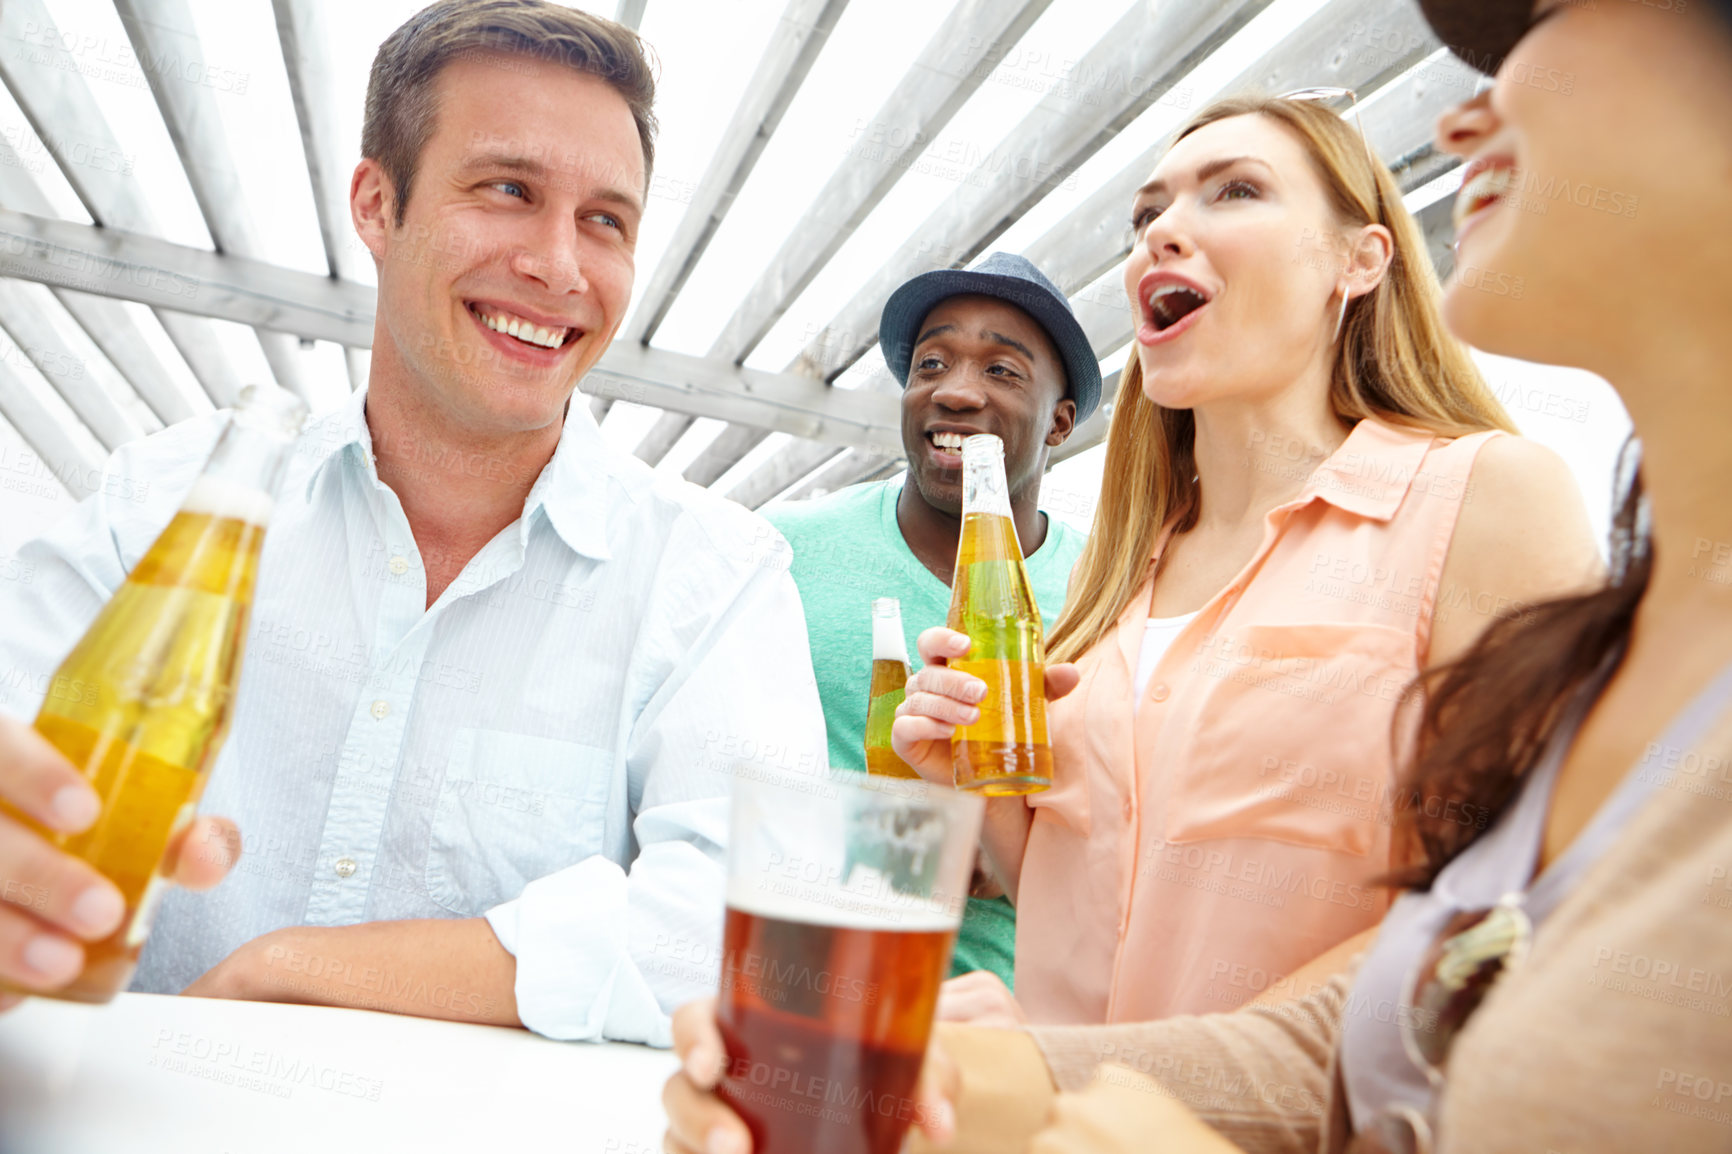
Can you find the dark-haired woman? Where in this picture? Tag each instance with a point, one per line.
(1559, 981)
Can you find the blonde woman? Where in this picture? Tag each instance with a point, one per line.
(1310, 497)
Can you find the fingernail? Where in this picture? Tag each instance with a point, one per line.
(98, 910)
(944, 1117)
(74, 807)
(974, 716)
(53, 958)
(723, 1141)
(977, 691)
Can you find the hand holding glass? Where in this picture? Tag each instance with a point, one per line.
(843, 904)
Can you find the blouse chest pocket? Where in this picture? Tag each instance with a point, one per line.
(1291, 740)
(511, 809)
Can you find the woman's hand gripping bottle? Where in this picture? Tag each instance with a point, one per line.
(1006, 751)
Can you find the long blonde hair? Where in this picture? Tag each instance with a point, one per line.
(1394, 361)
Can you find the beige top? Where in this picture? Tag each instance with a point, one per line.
(1614, 1035)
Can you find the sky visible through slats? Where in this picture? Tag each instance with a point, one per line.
(707, 52)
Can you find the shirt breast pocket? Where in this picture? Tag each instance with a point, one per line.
(513, 808)
(1292, 741)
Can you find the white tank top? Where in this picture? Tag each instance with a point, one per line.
(1157, 639)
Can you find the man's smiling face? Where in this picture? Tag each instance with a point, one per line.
(514, 263)
(981, 365)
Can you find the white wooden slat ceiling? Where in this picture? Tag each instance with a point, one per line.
(174, 215)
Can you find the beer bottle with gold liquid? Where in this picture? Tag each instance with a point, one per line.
(141, 704)
(889, 676)
(1006, 751)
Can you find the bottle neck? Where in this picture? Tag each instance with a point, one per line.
(888, 641)
(984, 489)
(241, 478)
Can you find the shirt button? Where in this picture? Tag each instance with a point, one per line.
(399, 566)
(1127, 809)
(345, 867)
(1160, 693)
(381, 710)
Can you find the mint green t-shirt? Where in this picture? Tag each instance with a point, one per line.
(849, 550)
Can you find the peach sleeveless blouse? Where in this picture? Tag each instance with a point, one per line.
(1201, 845)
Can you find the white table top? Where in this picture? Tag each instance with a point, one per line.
(151, 1073)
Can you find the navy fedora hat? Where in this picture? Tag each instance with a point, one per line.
(1482, 32)
(1479, 32)
(1015, 281)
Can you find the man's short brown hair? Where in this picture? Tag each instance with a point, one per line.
(401, 102)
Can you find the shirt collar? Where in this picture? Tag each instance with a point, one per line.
(573, 487)
(1368, 475)
(325, 439)
(576, 486)
(1372, 470)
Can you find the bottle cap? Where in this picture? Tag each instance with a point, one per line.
(888, 644)
(981, 445)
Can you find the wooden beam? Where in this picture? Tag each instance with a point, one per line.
(70, 454)
(161, 273)
(948, 71)
(778, 402)
(1415, 81)
(54, 97)
(1141, 58)
(305, 40)
(88, 383)
(166, 275)
(800, 35)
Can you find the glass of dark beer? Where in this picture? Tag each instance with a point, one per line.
(844, 894)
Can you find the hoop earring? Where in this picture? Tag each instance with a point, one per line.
(1341, 317)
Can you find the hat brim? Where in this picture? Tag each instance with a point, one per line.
(899, 325)
(1480, 32)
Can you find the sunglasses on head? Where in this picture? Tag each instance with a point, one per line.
(1448, 984)
(1328, 97)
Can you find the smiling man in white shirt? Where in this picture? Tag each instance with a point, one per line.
(498, 672)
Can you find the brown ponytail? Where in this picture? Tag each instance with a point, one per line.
(1489, 714)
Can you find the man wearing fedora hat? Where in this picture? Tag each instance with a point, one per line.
(992, 349)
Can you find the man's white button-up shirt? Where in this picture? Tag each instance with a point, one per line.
(549, 745)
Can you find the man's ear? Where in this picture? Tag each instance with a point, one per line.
(1063, 423)
(1369, 256)
(372, 206)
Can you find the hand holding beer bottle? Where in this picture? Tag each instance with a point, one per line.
(938, 698)
(1004, 750)
(938, 701)
(991, 701)
(52, 902)
(141, 705)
